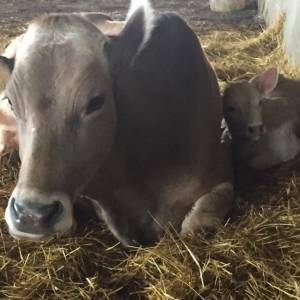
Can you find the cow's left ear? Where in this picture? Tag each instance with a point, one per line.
(6, 67)
(136, 33)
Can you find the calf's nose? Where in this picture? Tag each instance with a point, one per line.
(30, 214)
(256, 131)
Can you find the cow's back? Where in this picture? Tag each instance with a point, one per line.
(168, 101)
(167, 150)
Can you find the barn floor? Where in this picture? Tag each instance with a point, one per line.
(255, 255)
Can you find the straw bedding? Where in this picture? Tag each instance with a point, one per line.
(255, 255)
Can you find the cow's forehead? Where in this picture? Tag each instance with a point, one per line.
(79, 35)
(55, 64)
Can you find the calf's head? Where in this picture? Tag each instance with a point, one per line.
(60, 89)
(242, 104)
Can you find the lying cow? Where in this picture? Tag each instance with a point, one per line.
(263, 117)
(130, 122)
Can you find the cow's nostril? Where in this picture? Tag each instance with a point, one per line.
(251, 129)
(17, 207)
(36, 214)
(52, 211)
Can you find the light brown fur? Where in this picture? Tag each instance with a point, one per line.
(279, 113)
(145, 157)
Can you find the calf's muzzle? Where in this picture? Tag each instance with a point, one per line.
(256, 131)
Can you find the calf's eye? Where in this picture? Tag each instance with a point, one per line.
(95, 104)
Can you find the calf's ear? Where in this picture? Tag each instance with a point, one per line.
(267, 81)
(6, 67)
(123, 49)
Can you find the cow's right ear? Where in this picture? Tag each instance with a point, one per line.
(6, 67)
(267, 81)
(123, 49)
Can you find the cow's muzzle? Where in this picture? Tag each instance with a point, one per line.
(34, 216)
(39, 216)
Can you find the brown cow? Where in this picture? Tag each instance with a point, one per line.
(129, 121)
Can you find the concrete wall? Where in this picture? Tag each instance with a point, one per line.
(227, 5)
(271, 10)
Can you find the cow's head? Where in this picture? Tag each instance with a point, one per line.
(242, 104)
(60, 89)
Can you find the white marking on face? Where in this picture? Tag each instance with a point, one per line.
(149, 18)
(65, 222)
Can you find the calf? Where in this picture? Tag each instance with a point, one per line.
(263, 118)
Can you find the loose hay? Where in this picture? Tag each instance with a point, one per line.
(254, 256)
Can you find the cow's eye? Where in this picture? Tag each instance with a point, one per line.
(9, 102)
(95, 104)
